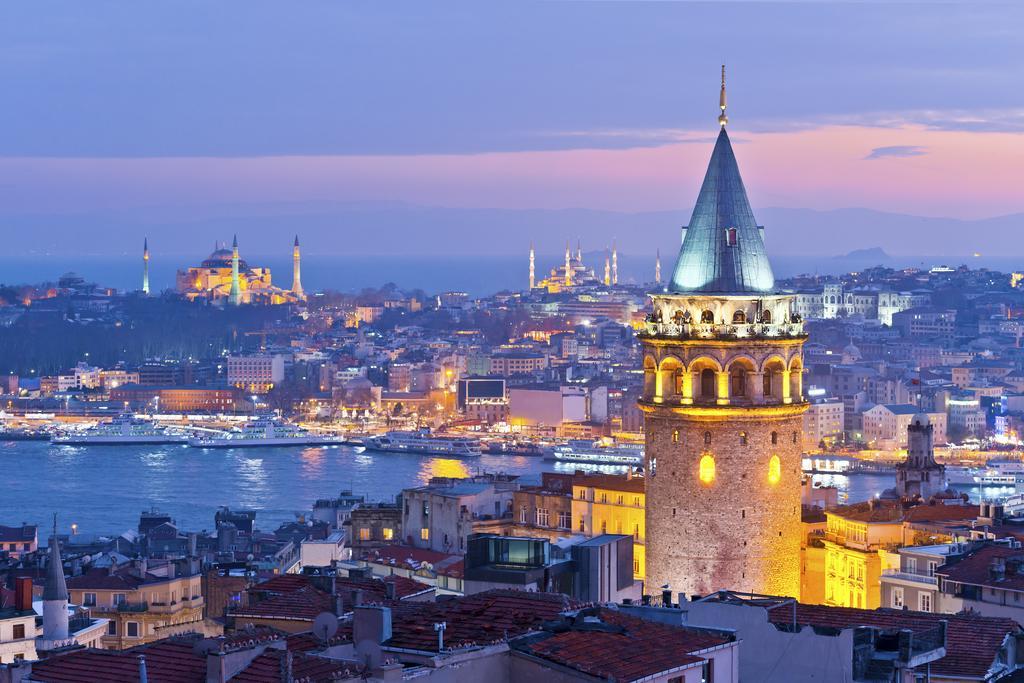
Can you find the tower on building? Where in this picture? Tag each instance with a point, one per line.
(919, 474)
(145, 265)
(532, 268)
(615, 264)
(297, 271)
(723, 404)
(55, 594)
(235, 295)
(568, 266)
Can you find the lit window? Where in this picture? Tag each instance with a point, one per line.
(364, 534)
(707, 469)
(424, 534)
(675, 436)
(743, 438)
(774, 470)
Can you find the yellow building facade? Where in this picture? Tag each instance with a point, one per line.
(606, 504)
(140, 611)
(856, 552)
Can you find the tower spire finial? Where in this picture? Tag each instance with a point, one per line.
(722, 118)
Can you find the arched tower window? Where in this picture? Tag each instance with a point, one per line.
(775, 438)
(739, 317)
(738, 379)
(707, 383)
(675, 436)
(766, 317)
(743, 438)
(774, 470)
(707, 317)
(707, 469)
(707, 438)
(767, 380)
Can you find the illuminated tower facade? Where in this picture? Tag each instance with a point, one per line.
(607, 270)
(615, 264)
(297, 272)
(568, 267)
(235, 295)
(533, 272)
(145, 265)
(723, 404)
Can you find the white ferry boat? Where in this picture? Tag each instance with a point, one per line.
(584, 451)
(422, 442)
(264, 431)
(963, 476)
(1004, 473)
(124, 429)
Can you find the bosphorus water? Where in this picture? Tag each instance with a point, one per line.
(103, 489)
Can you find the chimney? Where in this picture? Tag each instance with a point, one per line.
(997, 569)
(666, 598)
(23, 593)
(339, 605)
(390, 590)
(357, 597)
(371, 622)
(143, 678)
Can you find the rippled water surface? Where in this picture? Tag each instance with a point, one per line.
(104, 488)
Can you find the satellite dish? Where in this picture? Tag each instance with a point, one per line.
(325, 626)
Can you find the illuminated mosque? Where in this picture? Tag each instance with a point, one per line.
(224, 278)
(574, 273)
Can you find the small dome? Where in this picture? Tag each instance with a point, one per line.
(920, 420)
(851, 350)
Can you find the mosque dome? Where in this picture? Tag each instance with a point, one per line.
(852, 352)
(221, 258)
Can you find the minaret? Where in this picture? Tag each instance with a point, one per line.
(723, 405)
(722, 118)
(296, 272)
(579, 252)
(235, 297)
(55, 594)
(145, 265)
(657, 267)
(532, 271)
(615, 264)
(607, 270)
(568, 267)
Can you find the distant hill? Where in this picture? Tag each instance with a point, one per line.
(349, 228)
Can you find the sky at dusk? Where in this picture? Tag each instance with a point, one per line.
(184, 108)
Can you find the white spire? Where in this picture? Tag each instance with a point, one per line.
(532, 271)
(297, 272)
(145, 265)
(615, 264)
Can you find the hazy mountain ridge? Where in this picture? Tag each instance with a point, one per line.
(400, 228)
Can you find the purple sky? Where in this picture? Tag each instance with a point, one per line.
(160, 108)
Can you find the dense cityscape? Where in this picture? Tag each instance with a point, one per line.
(717, 472)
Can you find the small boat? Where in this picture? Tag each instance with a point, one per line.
(525, 449)
(594, 452)
(422, 442)
(125, 429)
(262, 432)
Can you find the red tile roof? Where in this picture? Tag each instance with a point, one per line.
(892, 512)
(488, 617)
(303, 604)
(305, 668)
(632, 649)
(295, 597)
(976, 568)
(167, 661)
(123, 579)
(610, 482)
(972, 642)
(414, 558)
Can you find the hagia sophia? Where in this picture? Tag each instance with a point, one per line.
(225, 279)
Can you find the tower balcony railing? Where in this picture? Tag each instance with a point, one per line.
(680, 330)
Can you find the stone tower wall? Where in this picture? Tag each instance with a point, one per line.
(740, 531)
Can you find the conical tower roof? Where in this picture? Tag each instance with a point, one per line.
(713, 259)
(56, 588)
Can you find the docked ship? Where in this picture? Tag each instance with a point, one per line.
(997, 473)
(595, 453)
(264, 431)
(125, 429)
(526, 449)
(422, 442)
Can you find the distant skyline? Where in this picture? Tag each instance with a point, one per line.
(120, 118)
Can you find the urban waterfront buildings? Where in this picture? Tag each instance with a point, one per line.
(723, 402)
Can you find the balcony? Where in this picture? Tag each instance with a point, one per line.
(133, 607)
(916, 577)
(673, 330)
